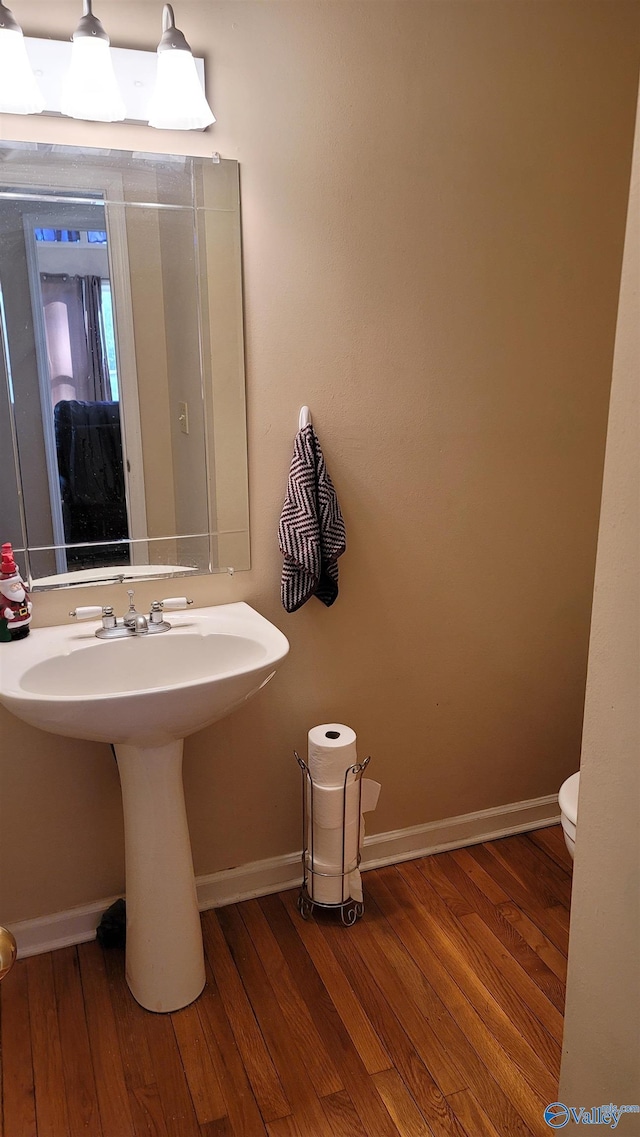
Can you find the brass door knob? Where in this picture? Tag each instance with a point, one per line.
(8, 952)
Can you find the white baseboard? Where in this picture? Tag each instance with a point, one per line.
(275, 874)
(455, 832)
(60, 929)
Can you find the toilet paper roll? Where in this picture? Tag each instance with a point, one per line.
(329, 804)
(327, 847)
(326, 804)
(331, 751)
(326, 886)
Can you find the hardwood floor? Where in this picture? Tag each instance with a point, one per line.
(439, 1013)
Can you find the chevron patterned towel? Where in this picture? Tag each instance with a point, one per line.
(311, 531)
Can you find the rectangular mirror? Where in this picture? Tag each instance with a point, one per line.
(123, 448)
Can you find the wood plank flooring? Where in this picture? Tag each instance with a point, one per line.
(439, 1014)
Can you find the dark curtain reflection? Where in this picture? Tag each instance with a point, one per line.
(89, 451)
(87, 421)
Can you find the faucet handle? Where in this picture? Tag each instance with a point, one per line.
(155, 615)
(94, 610)
(91, 612)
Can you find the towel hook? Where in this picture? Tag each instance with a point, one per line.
(305, 417)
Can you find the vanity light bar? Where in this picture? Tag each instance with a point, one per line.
(135, 72)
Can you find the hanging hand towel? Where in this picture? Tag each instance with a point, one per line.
(311, 531)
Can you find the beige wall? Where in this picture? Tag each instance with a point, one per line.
(434, 201)
(601, 1058)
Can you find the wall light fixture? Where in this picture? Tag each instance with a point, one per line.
(88, 79)
(178, 101)
(19, 92)
(90, 89)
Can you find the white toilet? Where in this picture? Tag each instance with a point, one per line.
(568, 802)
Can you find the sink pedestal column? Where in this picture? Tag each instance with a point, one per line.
(164, 956)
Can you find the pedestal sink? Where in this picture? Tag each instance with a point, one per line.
(145, 694)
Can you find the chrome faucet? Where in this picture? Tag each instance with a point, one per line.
(133, 623)
(133, 620)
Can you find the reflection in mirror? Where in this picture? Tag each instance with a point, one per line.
(72, 308)
(123, 441)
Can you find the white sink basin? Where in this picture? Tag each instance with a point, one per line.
(144, 694)
(144, 689)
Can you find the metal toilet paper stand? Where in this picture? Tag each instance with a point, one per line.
(350, 910)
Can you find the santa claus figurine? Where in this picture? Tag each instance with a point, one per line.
(15, 606)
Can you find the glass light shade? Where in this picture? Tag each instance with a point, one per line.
(90, 90)
(19, 92)
(178, 101)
